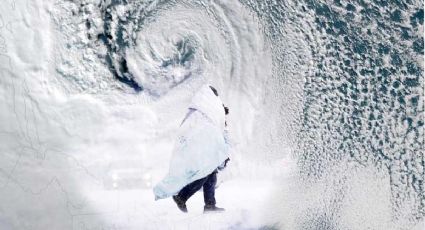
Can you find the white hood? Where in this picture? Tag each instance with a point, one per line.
(210, 105)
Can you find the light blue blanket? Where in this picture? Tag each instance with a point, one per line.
(200, 147)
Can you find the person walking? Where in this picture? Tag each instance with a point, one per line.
(201, 150)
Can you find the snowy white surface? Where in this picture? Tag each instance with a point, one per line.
(81, 150)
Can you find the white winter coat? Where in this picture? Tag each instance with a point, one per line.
(200, 147)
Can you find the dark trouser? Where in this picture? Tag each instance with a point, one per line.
(208, 183)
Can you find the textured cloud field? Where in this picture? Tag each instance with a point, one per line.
(326, 116)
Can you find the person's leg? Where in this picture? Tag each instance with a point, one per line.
(209, 188)
(209, 194)
(190, 189)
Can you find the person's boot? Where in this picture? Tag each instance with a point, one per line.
(181, 204)
(212, 208)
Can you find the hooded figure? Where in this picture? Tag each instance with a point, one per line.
(199, 150)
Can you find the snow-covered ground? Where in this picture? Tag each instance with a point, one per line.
(246, 202)
(92, 93)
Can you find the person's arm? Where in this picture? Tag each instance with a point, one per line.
(227, 141)
(223, 165)
(187, 115)
(226, 137)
